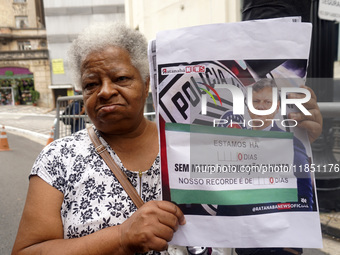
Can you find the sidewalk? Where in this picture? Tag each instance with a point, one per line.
(26, 109)
(330, 224)
(30, 121)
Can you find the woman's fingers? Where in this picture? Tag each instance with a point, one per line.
(174, 211)
(151, 227)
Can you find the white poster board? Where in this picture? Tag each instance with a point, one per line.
(230, 180)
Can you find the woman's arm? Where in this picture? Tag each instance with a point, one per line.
(41, 229)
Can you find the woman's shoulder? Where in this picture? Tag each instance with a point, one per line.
(76, 139)
(66, 149)
(62, 157)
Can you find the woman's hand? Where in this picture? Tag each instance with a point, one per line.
(41, 227)
(151, 227)
(312, 123)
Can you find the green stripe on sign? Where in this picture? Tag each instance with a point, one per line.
(234, 197)
(227, 131)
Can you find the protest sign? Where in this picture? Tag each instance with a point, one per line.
(231, 158)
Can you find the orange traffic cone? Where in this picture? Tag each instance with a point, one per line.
(51, 137)
(3, 140)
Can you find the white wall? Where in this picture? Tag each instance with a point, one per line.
(64, 22)
(79, 3)
(151, 16)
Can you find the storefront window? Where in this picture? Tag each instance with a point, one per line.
(16, 90)
(6, 96)
(24, 87)
(16, 84)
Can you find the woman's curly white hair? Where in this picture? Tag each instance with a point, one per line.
(100, 35)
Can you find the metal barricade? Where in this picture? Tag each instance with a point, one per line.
(71, 116)
(332, 110)
(63, 120)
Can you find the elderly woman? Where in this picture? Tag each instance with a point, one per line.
(75, 204)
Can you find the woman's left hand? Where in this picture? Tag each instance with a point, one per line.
(311, 123)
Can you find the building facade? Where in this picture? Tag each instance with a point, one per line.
(24, 65)
(64, 21)
(152, 16)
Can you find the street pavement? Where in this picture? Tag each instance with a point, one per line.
(28, 129)
(15, 166)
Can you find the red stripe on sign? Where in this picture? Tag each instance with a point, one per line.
(164, 161)
(285, 206)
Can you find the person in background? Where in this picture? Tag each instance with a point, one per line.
(74, 115)
(78, 110)
(262, 100)
(264, 9)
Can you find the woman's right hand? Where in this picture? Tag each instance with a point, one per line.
(151, 227)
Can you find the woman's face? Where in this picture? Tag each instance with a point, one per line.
(113, 90)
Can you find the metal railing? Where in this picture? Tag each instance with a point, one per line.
(70, 116)
(63, 121)
(68, 122)
(330, 109)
